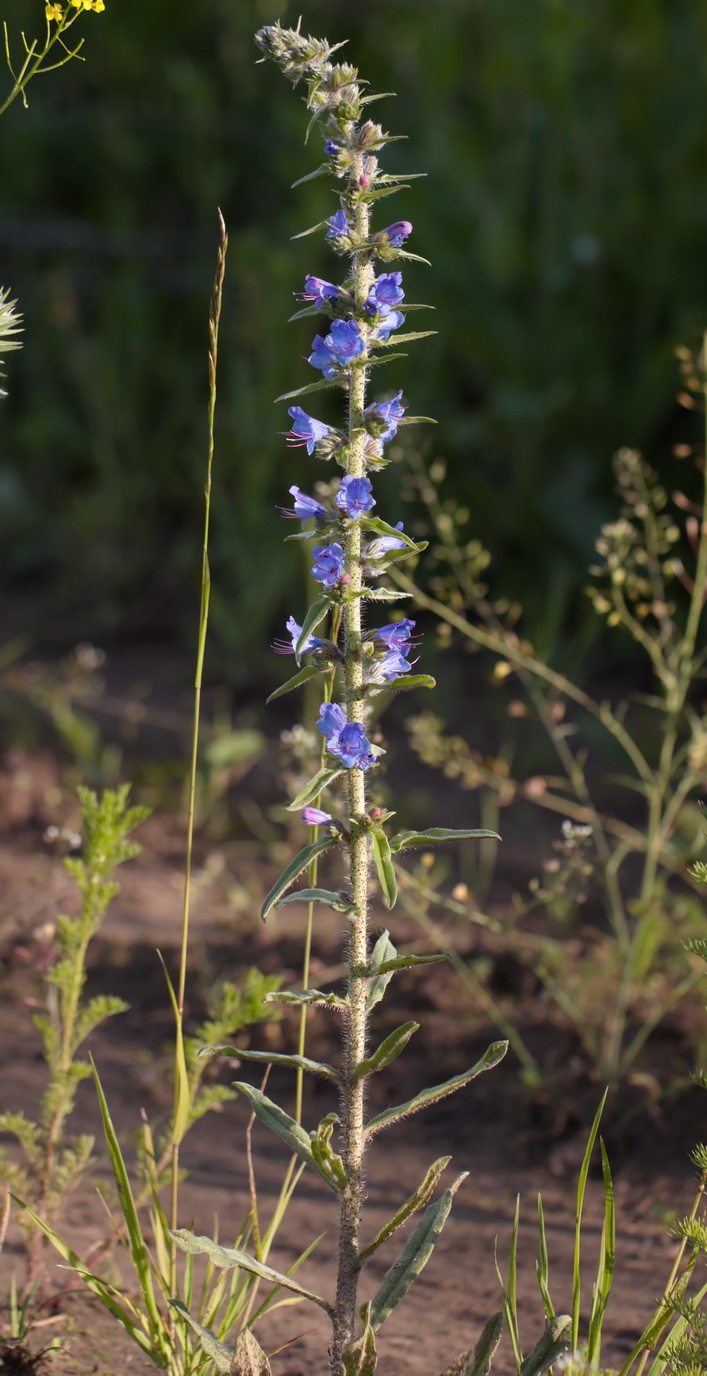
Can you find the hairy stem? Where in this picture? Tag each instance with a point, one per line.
(344, 1318)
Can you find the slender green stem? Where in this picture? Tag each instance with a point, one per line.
(214, 321)
(344, 1320)
(32, 65)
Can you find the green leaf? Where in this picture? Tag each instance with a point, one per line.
(229, 1258)
(287, 1129)
(491, 1333)
(435, 835)
(581, 1187)
(383, 951)
(307, 310)
(402, 253)
(318, 172)
(380, 527)
(359, 1358)
(406, 963)
(312, 230)
(418, 1200)
(182, 1106)
(417, 420)
(249, 1358)
(294, 868)
(387, 358)
(331, 900)
(607, 1260)
(136, 1242)
(100, 1288)
(388, 1050)
(555, 1340)
(329, 1163)
(542, 1266)
(401, 338)
(308, 998)
(384, 867)
(304, 675)
(490, 1058)
(322, 386)
(383, 595)
(316, 785)
(221, 1354)
(414, 1256)
(404, 683)
(314, 617)
(274, 1058)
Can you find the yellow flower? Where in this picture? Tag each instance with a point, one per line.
(53, 12)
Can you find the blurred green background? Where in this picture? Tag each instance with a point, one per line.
(565, 214)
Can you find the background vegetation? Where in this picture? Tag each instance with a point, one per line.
(564, 212)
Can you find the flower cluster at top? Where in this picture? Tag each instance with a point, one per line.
(360, 320)
(54, 13)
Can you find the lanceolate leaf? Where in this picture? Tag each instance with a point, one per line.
(304, 675)
(359, 1357)
(322, 386)
(318, 172)
(383, 595)
(387, 358)
(221, 1354)
(555, 1340)
(314, 617)
(435, 835)
(408, 963)
(491, 1057)
(325, 896)
(228, 1258)
(380, 527)
(274, 1058)
(384, 867)
(312, 229)
(418, 1200)
(307, 997)
(402, 338)
(404, 683)
(383, 951)
(388, 1050)
(416, 1253)
(294, 868)
(316, 785)
(491, 1333)
(287, 1129)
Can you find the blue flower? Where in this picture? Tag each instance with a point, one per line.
(318, 291)
(385, 294)
(346, 740)
(355, 496)
(381, 419)
(392, 320)
(281, 647)
(338, 349)
(328, 565)
(390, 667)
(330, 148)
(305, 429)
(304, 507)
(397, 234)
(383, 543)
(396, 635)
(338, 226)
(314, 817)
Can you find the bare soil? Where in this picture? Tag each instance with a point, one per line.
(507, 1142)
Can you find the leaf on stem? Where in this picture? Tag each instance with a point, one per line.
(309, 998)
(322, 386)
(388, 1050)
(222, 1354)
(384, 867)
(383, 951)
(490, 1058)
(359, 1358)
(296, 681)
(418, 1200)
(403, 839)
(383, 595)
(230, 1258)
(404, 684)
(274, 1058)
(401, 339)
(337, 901)
(414, 1256)
(294, 868)
(555, 1340)
(485, 1349)
(312, 230)
(314, 617)
(407, 963)
(581, 1187)
(287, 1129)
(380, 527)
(607, 1258)
(316, 785)
(320, 171)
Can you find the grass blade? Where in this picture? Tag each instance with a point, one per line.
(581, 1188)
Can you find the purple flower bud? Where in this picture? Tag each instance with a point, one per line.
(328, 565)
(282, 647)
(330, 148)
(314, 817)
(338, 349)
(304, 507)
(397, 234)
(339, 227)
(381, 419)
(318, 291)
(355, 496)
(305, 429)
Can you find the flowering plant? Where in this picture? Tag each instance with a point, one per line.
(354, 550)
